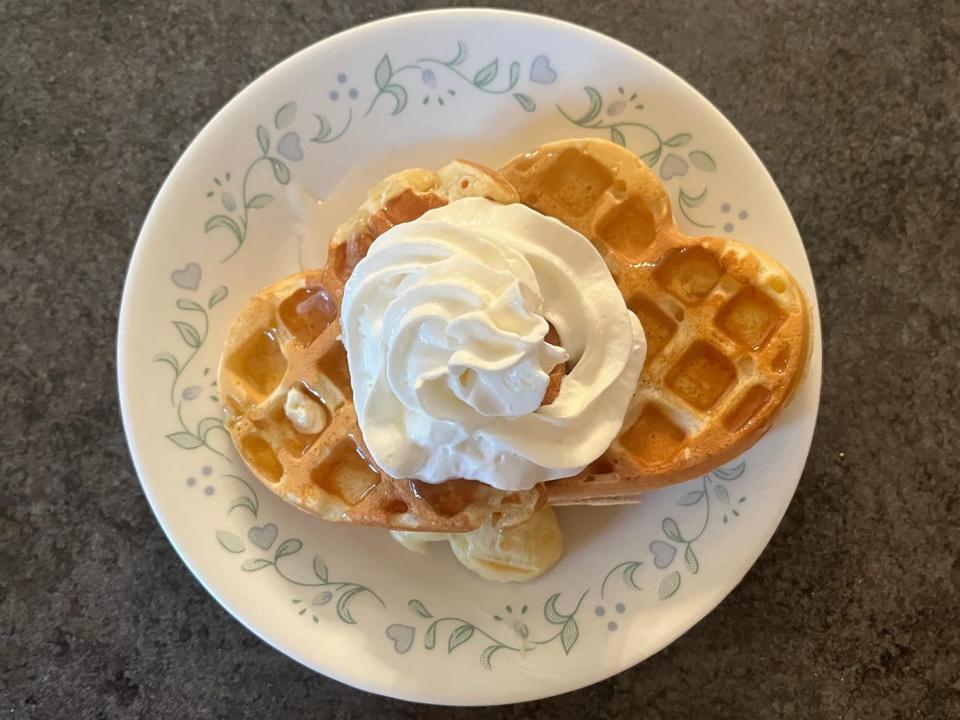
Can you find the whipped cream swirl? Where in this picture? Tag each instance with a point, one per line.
(444, 323)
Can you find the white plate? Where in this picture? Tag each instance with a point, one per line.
(347, 601)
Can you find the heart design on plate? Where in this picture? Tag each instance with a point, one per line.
(263, 537)
(402, 636)
(541, 72)
(673, 166)
(663, 553)
(289, 146)
(188, 278)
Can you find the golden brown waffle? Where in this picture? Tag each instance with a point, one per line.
(728, 329)
(286, 338)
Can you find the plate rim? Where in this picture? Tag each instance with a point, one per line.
(774, 519)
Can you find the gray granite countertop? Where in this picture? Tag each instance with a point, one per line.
(852, 610)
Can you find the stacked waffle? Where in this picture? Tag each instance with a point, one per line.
(728, 337)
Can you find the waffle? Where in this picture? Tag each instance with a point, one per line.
(728, 329)
(283, 358)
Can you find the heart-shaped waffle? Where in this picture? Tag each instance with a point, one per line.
(286, 389)
(728, 329)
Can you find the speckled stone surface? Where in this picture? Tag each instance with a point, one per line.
(852, 612)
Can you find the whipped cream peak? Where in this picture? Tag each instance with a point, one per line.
(445, 324)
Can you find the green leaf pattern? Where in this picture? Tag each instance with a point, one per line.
(703, 161)
(596, 105)
(671, 529)
(678, 140)
(285, 115)
(717, 481)
(669, 585)
(288, 547)
(168, 359)
(459, 636)
(568, 635)
(280, 171)
(325, 134)
(230, 541)
(419, 608)
(384, 72)
(526, 102)
(629, 575)
(255, 564)
(242, 502)
(485, 74)
(188, 333)
(185, 440)
(691, 498)
(185, 304)
(263, 138)
(343, 604)
(218, 296)
(259, 201)
(486, 657)
(226, 223)
(320, 568)
(462, 631)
